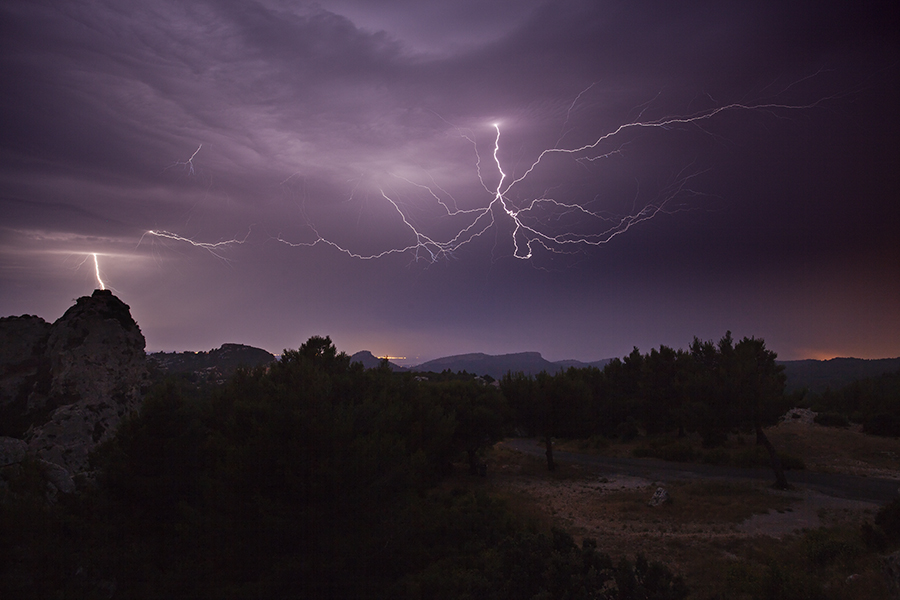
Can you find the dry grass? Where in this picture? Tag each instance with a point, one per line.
(825, 449)
(837, 450)
(721, 535)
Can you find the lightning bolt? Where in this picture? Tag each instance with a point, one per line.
(97, 272)
(555, 225)
(189, 163)
(213, 248)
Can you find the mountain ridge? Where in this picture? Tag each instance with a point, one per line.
(814, 375)
(811, 374)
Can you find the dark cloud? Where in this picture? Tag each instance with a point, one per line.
(268, 122)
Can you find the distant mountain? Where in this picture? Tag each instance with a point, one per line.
(370, 361)
(216, 364)
(815, 375)
(529, 363)
(819, 375)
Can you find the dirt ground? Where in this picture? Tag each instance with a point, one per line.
(706, 522)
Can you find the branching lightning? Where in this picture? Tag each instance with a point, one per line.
(189, 163)
(535, 221)
(213, 248)
(551, 222)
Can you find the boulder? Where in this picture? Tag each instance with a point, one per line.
(660, 497)
(58, 478)
(890, 566)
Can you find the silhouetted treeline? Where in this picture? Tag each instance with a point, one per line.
(873, 401)
(309, 478)
(711, 388)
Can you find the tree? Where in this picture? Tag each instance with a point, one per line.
(738, 385)
(480, 413)
(531, 410)
(760, 390)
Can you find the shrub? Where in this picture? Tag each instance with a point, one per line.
(824, 548)
(627, 430)
(758, 457)
(885, 424)
(714, 438)
(888, 519)
(666, 449)
(678, 452)
(716, 456)
(790, 462)
(595, 442)
(831, 419)
(885, 533)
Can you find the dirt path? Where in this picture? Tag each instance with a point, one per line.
(862, 489)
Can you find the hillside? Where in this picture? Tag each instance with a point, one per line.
(530, 363)
(215, 364)
(819, 375)
(814, 375)
(370, 361)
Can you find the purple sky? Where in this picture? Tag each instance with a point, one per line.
(318, 137)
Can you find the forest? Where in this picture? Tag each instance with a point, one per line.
(316, 478)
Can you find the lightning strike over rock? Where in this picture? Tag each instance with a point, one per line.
(97, 272)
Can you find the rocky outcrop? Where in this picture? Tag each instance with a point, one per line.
(890, 565)
(97, 368)
(12, 451)
(23, 347)
(69, 383)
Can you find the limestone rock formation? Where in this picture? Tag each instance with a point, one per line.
(12, 451)
(23, 345)
(97, 367)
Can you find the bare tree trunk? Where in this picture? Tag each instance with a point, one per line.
(761, 440)
(549, 445)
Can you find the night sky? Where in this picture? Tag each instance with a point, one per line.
(426, 178)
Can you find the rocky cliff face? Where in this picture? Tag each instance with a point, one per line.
(80, 379)
(23, 365)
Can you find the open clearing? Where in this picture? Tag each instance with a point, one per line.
(711, 524)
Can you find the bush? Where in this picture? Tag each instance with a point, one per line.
(758, 457)
(595, 442)
(824, 548)
(627, 430)
(717, 456)
(885, 533)
(831, 419)
(667, 450)
(888, 519)
(642, 452)
(790, 462)
(714, 438)
(885, 424)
